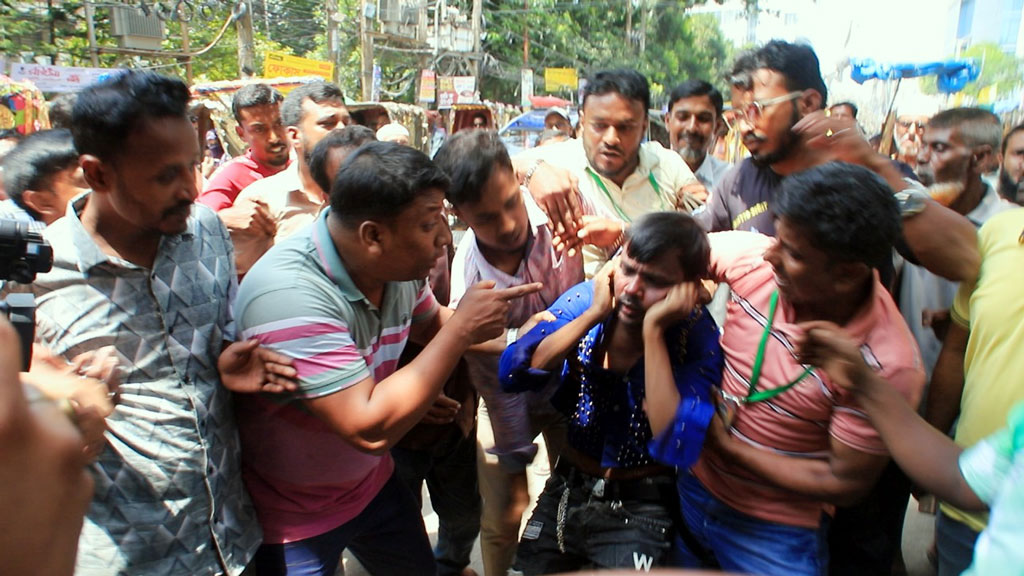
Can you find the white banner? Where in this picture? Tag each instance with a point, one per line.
(59, 78)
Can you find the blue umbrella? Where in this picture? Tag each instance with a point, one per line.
(952, 75)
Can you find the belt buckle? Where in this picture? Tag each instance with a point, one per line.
(598, 489)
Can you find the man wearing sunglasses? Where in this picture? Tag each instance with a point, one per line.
(783, 124)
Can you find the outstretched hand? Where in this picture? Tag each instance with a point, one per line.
(247, 367)
(483, 311)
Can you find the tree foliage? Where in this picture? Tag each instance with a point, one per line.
(666, 44)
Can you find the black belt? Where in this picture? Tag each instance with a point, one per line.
(660, 488)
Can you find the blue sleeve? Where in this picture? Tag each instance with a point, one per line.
(514, 371)
(699, 371)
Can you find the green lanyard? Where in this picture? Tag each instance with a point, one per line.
(608, 195)
(752, 394)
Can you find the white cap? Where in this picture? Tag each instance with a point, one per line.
(560, 111)
(391, 132)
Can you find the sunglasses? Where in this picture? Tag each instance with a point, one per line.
(754, 111)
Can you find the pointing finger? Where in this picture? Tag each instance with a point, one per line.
(519, 291)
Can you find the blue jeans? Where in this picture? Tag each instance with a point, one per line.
(954, 542)
(742, 543)
(387, 537)
(594, 531)
(449, 469)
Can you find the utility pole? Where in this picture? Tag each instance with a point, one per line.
(644, 16)
(366, 53)
(330, 11)
(266, 20)
(186, 48)
(526, 34)
(90, 12)
(477, 60)
(629, 25)
(246, 50)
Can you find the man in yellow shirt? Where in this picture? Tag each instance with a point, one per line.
(978, 371)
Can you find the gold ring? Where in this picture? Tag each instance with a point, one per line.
(829, 133)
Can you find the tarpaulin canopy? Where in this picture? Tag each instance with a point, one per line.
(952, 75)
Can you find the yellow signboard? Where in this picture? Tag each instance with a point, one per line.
(279, 64)
(555, 79)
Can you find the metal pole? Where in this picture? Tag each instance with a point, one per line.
(91, 27)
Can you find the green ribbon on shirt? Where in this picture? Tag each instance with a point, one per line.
(608, 195)
(755, 376)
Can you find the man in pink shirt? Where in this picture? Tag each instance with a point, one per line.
(788, 444)
(256, 109)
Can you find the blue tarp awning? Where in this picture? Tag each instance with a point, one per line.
(952, 75)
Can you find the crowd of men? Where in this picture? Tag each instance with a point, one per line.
(264, 364)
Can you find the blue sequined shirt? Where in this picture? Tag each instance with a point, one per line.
(607, 421)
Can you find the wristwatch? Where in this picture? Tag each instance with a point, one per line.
(911, 200)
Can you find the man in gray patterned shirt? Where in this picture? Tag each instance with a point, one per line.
(141, 268)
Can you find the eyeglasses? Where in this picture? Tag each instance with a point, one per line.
(755, 110)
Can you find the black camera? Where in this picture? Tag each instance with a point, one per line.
(23, 254)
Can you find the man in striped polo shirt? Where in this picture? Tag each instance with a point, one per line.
(342, 298)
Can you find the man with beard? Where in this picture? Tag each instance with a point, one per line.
(634, 356)
(292, 197)
(255, 107)
(1012, 173)
(609, 164)
(786, 132)
(956, 146)
(694, 118)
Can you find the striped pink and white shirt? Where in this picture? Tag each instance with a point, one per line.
(298, 299)
(801, 422)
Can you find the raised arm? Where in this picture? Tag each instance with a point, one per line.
(943, 241)
(552, 351)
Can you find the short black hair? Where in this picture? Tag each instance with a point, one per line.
(319, 92)
(975, 126)
(250, 95)
(469, 158)
(380, 180)
(350, 137)
(692, 88)
(848, 211)
(624, 81)
(34, 161)
(797, 63)
(848, 104)
(61, 108)
(1006, 139)
(105, 114)
(655, 233)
